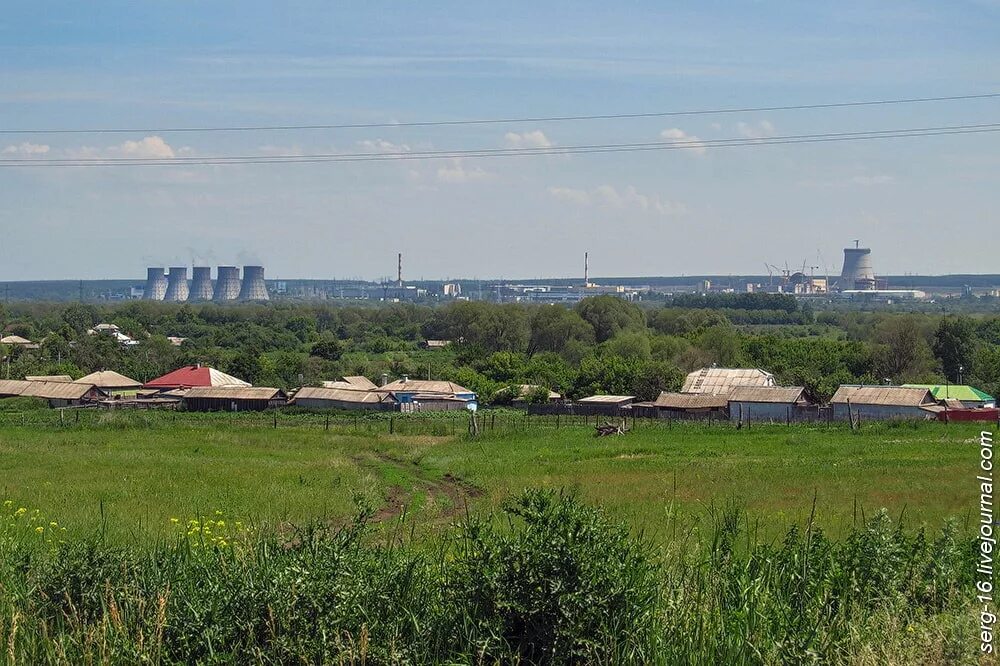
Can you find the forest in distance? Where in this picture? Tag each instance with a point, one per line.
(603, 344)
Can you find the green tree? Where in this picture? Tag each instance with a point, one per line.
(609, 314)
(554, 326)
(954, 346)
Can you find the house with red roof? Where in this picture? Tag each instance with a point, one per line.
(191, 376)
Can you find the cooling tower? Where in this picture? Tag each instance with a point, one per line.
(227, 286)
(156, 285)
(201, 284)
(858, 272)
(177, 284)
(253, 288)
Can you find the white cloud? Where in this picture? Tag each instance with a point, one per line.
(534, 139)
(149, 147)
(26, 148)
(456, 172)
(691, 143)
(607, 196)
(760, 130)
(383, 146)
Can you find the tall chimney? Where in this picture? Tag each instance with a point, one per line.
(201, 284)
(254, 288)
(177, 284)
(227, 287)
(586, 269)
(399, 270)
(156, 285)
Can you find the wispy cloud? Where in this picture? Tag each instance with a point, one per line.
(534, 139)
(758, 130)
(608, 196)
(457, 172)
(383, 146)
(26, 149)
(150, 147)
(691, 143)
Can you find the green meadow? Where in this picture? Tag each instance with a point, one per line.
(131, 473)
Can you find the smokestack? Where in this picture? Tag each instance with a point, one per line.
(586, 269)
(156, 285)
(201, 284)
(399, 269)
(227, 287)
(177, 284)
(858, 272)
(253, 288)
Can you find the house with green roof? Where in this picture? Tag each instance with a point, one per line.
(969, 396)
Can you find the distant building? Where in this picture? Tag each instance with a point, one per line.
(57, 394)
(233, 398)
(683, 405)
(111, 382)
(607, 405)
(883, 403)
(312, 397)
(753, 404)
(968, 396)
(720, 381)
(192, 376)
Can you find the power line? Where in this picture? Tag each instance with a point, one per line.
(680, 144)
(500, 121)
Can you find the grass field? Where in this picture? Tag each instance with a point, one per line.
(133, 473)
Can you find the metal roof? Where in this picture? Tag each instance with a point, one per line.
(954, 392)
(606, 399)
(15, 340)
(234, 393)
(195, 375)
(48, 378)
(778, 394)
(360, 382)
(723, 380)
(690, 400)
(341, 395)
(424, 386)
(46, 390)
(883, 395)
(109, 379)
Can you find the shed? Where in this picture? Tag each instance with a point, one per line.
(719, 381)
(352, 383)
(233, 398)
(883, 402)
(765, 403)
(58, 394)
(968, 396)
(313, 397)
(682, 405)
(111, 382)
(609, 405)
(406, 390)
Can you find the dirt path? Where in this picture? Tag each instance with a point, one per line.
(450, 492)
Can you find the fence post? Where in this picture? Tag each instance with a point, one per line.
(327, 421)
(275, 415)
(392, 425)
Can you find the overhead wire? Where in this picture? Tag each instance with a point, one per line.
(677, 144)
(499, 121)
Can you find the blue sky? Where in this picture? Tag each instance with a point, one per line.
(923, 204)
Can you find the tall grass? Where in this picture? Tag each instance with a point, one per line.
(549, 579)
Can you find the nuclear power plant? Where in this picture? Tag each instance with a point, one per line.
(858, 272)
(201, 284)
(173, 287)
(156, 285)
(227, 287)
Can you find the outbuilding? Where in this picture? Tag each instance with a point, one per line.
(883, 403)
(720, 381)
(774, 404)
(233, 398)
(604, 405)
(671, 405)
(314, 397)
(968, 396)
(57, 394)
(112, 383)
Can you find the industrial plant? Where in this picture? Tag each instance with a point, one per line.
(174, 287)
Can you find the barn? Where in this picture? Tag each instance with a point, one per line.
(771, 404)
(233, 398)
(313, 397)
(881, 403)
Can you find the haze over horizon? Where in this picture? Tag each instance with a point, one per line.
(920, 203)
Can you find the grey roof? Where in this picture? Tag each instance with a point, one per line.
(234, 393)
(46, 390)
(604, 399)
(424, 386)
(109, 379)
(883, 395)
(669, 400)
(723, 380)
(778, 394)
(48, 378)
(341, 395)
